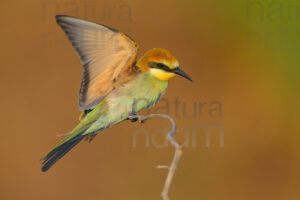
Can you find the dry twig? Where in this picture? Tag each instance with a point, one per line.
(177, 155)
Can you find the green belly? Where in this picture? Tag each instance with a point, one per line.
(140, 93)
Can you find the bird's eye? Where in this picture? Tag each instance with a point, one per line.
(160, 66)
(164, 67)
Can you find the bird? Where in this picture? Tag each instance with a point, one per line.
(115, 84)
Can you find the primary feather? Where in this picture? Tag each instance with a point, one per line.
(104, 52)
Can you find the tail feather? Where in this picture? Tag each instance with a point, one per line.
(59, 151)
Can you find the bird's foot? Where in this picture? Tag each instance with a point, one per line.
(132, 116)
(139, 118)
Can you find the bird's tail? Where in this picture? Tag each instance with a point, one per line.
(60, 150)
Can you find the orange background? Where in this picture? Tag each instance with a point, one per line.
(258, 89)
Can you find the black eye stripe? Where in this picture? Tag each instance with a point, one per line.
(160, 66)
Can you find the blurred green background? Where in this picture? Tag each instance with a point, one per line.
(244, 59)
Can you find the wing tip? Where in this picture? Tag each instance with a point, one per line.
(62, 18)
(59, 18)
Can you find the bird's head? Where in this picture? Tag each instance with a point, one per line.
(161, 64)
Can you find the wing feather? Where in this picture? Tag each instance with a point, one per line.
(104, 52)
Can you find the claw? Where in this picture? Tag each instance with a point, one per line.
(132, 117)
(138, 118)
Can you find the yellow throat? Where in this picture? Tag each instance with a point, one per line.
(161, 75)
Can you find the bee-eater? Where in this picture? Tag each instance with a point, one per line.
(114, 84)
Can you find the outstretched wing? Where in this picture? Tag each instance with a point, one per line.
(104, 52)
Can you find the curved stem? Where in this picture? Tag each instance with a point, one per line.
(178, 151)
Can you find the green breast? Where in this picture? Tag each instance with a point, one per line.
(142, 92)
(146, 90)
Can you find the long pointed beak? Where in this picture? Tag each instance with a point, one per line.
(178, 71)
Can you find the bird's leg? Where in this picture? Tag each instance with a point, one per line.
(132, 116)
(139, 118)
